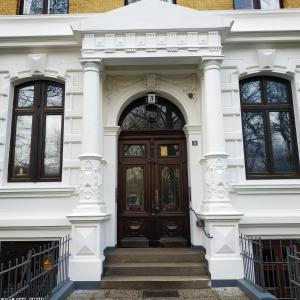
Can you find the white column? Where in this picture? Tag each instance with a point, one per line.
(215, 157)
(88, 216)
(220, 215)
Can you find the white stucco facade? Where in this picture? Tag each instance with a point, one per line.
(195, 60)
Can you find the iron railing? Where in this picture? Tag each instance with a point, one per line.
(272, 265)
(38, 275)
(294, 274)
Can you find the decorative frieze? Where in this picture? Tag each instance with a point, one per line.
(110, 44)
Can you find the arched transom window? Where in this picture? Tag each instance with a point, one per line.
(270, 143)
(162, 115)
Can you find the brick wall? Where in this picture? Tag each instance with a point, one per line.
(88, 6)
(8, 7)
(207, 4)
(291, 3)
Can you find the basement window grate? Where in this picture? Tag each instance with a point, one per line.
(160, 294)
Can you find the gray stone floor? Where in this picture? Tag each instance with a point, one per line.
(203, 294)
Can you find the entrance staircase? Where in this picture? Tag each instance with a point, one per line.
(155, 268)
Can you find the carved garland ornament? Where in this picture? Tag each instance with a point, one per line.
(90, 181)
(217, 178)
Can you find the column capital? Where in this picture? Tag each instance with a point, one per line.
(209, 63)
(91, 64)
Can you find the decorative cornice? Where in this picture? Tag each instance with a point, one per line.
(150, 43)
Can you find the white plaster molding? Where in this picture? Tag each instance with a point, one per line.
(265, 189)
(36, 192)
(266, 57)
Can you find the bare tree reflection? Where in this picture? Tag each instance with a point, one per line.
(253, 128)
(160, 116)
(26, 96)
(250, 92)
(22, 145)
(54, 96)
(52, 146)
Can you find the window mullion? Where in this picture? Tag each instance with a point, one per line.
(45, 7)
(35, 132)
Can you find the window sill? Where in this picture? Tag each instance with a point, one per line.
(267, 187)
(14, 191)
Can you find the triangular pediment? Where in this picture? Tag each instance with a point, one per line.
(153, 15)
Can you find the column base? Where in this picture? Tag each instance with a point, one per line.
(87, 247)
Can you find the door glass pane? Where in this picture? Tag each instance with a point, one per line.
(135, 188)
(33, 7)
(134, 150)
(243, 4)
(254, 142)
(52, 145)
(26, 96)
(269, 4)
(282, 146)
(251, 92)
(277, 92)
(54, 96)
(170, 187)
(22, 146)
(58, 6)
(169, 150)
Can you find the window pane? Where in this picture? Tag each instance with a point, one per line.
(33, 7)
(169, 150)
(282, 146)
(170, 187)
(269, 4)
(52, 146)
(134, 150)
(58, 6)
(243, 4)
(254, 142)
(135, 188)
(277, 92)
(251, 92)
(54, 96)
(26, 96)
(22, 146)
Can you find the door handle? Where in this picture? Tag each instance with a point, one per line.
(156, 200)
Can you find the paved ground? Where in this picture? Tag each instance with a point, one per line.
(202, 294)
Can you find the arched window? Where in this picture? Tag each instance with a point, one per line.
(270, 143)
(37, 130)
(163, 115)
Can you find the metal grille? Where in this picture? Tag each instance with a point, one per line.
(38, 275)
(272, 265)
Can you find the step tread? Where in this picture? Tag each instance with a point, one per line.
(143, 251)
(155, 264)
(155, 278)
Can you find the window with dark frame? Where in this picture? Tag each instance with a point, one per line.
(37, 132)
(133, 1)
(37, 7)
(270, 143)
(257, 4)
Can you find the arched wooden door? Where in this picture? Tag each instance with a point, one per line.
(153, 208)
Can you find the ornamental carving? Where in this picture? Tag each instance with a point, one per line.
(216, 178)
(115, 84)
(90, 181)
(151, 82)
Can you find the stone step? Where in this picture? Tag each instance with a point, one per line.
(153, 269)
(155, 282)
(154, 255)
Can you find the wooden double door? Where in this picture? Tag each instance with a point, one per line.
(153, 208)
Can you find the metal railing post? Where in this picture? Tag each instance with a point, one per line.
(28, 274)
